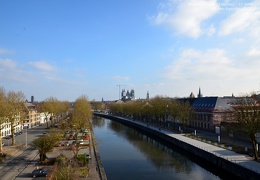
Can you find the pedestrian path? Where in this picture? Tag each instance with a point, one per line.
(241, 159)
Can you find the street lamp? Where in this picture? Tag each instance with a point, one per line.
(118, 91)
(26, 127)
(165, 118)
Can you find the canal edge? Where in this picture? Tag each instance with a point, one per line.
(99, 168)
(240, 171)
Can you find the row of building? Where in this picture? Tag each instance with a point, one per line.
(208, 112)
(32, 118)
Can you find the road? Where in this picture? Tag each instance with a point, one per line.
(22, 163)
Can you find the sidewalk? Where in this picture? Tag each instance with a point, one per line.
(13, 151)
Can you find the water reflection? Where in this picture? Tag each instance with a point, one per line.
(154, 159)
(163, 158)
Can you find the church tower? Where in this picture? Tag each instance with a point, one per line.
(132, 94)
(200, 95)
(147, 95)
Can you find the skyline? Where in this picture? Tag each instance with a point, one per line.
(167, 47)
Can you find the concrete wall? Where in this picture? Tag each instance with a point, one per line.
(99, 166)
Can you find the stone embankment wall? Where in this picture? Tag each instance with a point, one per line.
(99, 166)
(221, 163)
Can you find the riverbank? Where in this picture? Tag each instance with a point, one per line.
(240, 165)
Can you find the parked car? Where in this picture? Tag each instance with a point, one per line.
(8, 137)
(87, 137)
(88, 155)
(72, 147)
(84, 142)
(39, 172)
(60, 144)
(71, 137)
(67, 143)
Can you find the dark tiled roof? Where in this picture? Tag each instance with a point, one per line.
(210, 103)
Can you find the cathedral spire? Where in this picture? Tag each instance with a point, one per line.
(199, 95)
(147, 95)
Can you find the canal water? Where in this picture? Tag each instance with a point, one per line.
(128, 154)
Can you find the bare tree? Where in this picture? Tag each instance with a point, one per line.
(174, 110)
(97, 105)
(15, 105)
(49, 108)
(80, 117)
(3, 113)
(247, 111)
(184, 113)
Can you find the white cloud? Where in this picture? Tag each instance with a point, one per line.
(41, 65)
(245, 19)
(254, 51)
(5, 51)
(10, 72)
(7, 63)
(121, 78)
(187, 16)
(211, 30)
(213, 70)
(194, 64)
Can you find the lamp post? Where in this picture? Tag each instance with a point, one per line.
(26, 137)
(26, 127)
(165, 118)
(118, 91)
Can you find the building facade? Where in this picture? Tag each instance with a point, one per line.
(127, 95)
(209, 112)
(6, 126)
(32, 117)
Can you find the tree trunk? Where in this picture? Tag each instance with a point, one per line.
(253, 140)
(42, 157)
(12, 132)
(1, 147)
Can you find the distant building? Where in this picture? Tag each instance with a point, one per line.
(209, 112)
(147, 95)
(127, 96)
(200, 95)
(32, 116)
(32, 99)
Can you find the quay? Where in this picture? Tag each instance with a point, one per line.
(240, 165)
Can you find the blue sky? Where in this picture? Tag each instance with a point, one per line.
(65, 49)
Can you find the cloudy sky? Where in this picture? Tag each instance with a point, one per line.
(65, 49)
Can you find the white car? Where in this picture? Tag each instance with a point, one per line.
(84, 142)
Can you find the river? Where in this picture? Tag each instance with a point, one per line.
(128, 154)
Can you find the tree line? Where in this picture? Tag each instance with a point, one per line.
(77, 119)
(158, 109)
(13, 112)
(245, 115)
